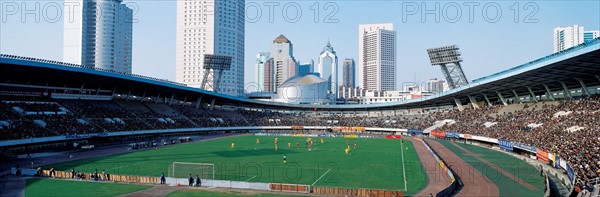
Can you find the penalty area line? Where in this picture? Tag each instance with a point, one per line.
(321, 177)
(251, 178)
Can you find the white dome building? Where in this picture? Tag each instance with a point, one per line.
(308, 89)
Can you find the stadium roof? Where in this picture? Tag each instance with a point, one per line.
(569, 68)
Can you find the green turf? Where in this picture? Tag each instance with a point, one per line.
(204, 193)
(64, 188)
(376, 163)
(514, 166)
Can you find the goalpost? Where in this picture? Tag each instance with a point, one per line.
(183, 169)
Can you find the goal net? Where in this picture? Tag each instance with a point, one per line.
(184, 169)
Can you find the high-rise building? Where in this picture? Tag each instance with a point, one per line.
(98, 34)
(262, 58)
(348, 73)
(269, 76)
(306, 68)
(284, 65)
(210, 27)
(590, 35)
(377, 57)
(566, 37)
(435, 86)
(328, 67)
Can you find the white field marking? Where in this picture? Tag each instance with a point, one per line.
(119, 166)
(403, 168)
(251, 178)
(321, 177)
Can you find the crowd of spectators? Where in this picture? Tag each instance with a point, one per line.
(36, 106)
(567, 128)
(574, 135)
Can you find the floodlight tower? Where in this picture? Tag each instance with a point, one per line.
(448, 58)
(212, 64)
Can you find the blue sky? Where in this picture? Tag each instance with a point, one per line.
(490, 41)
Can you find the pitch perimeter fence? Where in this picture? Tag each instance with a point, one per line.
(275, 187)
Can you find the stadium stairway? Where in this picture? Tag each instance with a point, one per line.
(438, 124)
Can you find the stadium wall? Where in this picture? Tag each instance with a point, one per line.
(334, 191)
(278, 187)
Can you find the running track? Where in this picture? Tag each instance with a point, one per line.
(475, 183)
(438, 179)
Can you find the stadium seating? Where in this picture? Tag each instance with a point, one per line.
(568, 128)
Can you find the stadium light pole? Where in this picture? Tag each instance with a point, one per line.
(448, 58)
(212, 64)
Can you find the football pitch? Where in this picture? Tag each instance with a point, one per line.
(375, 163)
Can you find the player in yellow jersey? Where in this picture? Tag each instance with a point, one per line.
(232, 145)
(289, 145)
(347, 150)
(322, 141)
(276, 148)
(276, 140)
(257, 141)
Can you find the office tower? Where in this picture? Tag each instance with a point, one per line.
(210, 28)
(348, 73)
(262, 58)
(328, 67)
(435, 86)
(590, 35)
(377, 57)
(306, 68)
(98, 34)
(284, 65)
(566, 37)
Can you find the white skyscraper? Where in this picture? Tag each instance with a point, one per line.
(328, 67)
(210, 27)
(98, 33)
(566, 37)
(377, 57)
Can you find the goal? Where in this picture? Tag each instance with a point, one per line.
(184, 169)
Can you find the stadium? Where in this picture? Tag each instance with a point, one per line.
(527, 131)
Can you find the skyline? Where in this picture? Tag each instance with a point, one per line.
(154, 36)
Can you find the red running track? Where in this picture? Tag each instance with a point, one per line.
(475, 183)
(438, 179)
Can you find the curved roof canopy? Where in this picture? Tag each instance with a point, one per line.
(567, 69)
